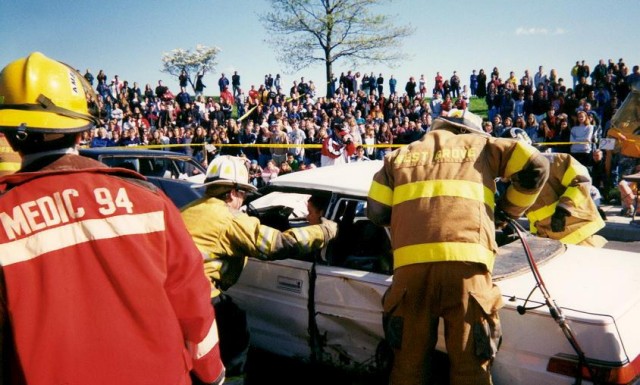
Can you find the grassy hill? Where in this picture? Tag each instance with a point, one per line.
(478, 106)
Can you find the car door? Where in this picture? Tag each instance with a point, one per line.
(275, 295)
(327, 306)
(349, 289)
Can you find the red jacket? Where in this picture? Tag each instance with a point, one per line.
(334, 149)
(102, 282)
(331, 148)
(228, 96)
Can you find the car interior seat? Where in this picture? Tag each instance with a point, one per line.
(128, 164)
(370, 249)
(146, 167)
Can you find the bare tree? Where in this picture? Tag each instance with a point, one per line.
(193, 63)
(309, 31)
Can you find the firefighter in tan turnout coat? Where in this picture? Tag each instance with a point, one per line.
(437, 195)
(564, 209)
(227, 237)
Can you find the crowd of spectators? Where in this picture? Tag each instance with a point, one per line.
(376, 114)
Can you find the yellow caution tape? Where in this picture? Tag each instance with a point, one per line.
(558, 143)
(292, 145)
(244, 145)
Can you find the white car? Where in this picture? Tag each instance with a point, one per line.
(327, 307)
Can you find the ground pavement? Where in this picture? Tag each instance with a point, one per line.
(619, 228)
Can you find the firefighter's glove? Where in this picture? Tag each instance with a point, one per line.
(329, 229)
(501, 219)
(559, 220)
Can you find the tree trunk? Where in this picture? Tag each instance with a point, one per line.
(329, 71)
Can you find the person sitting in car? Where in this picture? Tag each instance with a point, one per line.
(255, 174)
(316, 207)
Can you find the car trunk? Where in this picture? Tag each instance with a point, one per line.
(597, 293)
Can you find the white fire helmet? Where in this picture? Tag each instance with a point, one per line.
(227, 170)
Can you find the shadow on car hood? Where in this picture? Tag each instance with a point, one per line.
(512, 259)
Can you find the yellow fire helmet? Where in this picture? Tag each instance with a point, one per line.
(39, 94)
(227, 170)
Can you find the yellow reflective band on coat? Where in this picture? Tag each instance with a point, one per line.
(583, 232)
(572, 172)
(443, 251)
(540, 214)
(302, 236)
(519, 158)
(381, 193)
(202, 348)
(9, 166)
(520, 199)
(435, 188)
(265, 240)
(575, 195)
(568, 176)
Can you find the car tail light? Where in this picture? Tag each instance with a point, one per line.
(605, 372)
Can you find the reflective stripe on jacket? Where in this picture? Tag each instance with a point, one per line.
(226, 238)
(9, 160)
(437, 194)
(568, 186)
(102, 282)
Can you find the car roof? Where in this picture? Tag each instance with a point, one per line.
(349, 179)
(130, 152)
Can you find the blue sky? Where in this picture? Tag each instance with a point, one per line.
(128, 37)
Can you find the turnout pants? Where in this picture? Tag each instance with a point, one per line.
(460, 293)
(233, 333)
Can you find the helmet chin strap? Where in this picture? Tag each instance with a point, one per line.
(44, 104)
(48, 105)
(21, 133)
(51, 137)
(30, 158)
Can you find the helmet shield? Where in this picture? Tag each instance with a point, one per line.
(518, 134)
(460, 122)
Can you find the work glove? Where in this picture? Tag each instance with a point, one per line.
(559, 220)
(329, 229)
(501, 219)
